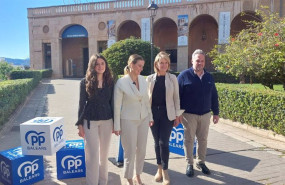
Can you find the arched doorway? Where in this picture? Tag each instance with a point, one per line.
(127, 29)
(203, 34)
(165, 37)
(240, 21)
(75, 54)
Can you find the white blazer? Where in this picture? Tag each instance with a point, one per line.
(129, 102)
(172, 94)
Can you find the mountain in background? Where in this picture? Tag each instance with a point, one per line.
(17, 62)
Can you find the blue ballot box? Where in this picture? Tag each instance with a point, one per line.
(16, 168)
(70, 160)
(176, 142)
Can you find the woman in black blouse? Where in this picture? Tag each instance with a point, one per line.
(165, 105)
(96, 113)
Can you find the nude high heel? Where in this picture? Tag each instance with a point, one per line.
(166, 180)
(158, 175)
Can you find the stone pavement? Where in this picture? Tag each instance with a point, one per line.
(235, 156)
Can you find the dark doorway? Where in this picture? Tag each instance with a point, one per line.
(47, 55)
(173, 59)
(102, 45)
(85, 60)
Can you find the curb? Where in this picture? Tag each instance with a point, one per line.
(255, 130)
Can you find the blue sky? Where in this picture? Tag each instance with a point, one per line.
(14, 33)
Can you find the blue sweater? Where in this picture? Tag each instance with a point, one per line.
(197, 96)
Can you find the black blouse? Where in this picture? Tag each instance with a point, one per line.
(99, 107)
(159, 92)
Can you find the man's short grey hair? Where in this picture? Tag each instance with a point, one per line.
(198, 51)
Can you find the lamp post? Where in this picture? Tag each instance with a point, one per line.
(152, 9)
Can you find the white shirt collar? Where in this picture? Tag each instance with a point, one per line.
(201, 74)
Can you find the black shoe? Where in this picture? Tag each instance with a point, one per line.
(190, 170)
(204, 168)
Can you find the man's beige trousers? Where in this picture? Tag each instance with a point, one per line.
(196, 125)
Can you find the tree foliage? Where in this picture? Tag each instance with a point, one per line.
(5, 69)
(258, 51)
(118, 54)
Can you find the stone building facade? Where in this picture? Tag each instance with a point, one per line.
(63, 37)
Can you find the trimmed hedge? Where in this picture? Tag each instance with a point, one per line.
(13, 93)
(35, 75)
(219, 77)
(46, 73)
(224, 78)
(259, 108)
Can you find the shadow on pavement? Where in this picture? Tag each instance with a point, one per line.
(199, 178)
(114, 179)
(232, 159)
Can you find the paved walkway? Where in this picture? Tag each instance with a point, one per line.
(234, 156)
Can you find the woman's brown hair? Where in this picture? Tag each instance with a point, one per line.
(91, 80)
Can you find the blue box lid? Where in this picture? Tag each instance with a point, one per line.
(72, 144)
(13, 153)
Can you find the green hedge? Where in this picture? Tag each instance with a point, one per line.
(224, 78)
(219, 77)
(35, 75)
(46, 73)
(13, 93)
(259, 108)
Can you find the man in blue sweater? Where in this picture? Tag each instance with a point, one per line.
(198, 97)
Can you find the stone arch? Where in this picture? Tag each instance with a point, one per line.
(165, 37)
(127, 29)
(75, 54)
(239, 22)
(203, 34)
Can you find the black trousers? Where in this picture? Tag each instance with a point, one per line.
(161, 131)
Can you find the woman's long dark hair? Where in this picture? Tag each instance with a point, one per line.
(91, 75)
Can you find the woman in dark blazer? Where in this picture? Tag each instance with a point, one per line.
(163, 93)
(96, 118)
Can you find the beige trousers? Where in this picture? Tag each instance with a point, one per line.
(196, 125)
(134, 139)
(97, 142)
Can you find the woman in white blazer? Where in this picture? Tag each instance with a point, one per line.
(163, 93)
(132, 116)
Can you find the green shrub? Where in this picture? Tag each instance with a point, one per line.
(46, 73)
(5, 69)
(36, 75)
(259, 108)
(13, 93)
(224, 78)
(118, 54)
(219, 77)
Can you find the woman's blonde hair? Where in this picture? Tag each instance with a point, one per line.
(133, 59)
(160, 56)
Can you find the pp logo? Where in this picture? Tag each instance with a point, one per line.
(57, 133)
(177, 135)
(35, 137)
(28, 167)
(72, 162)
(4, 169)
(42, 120)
